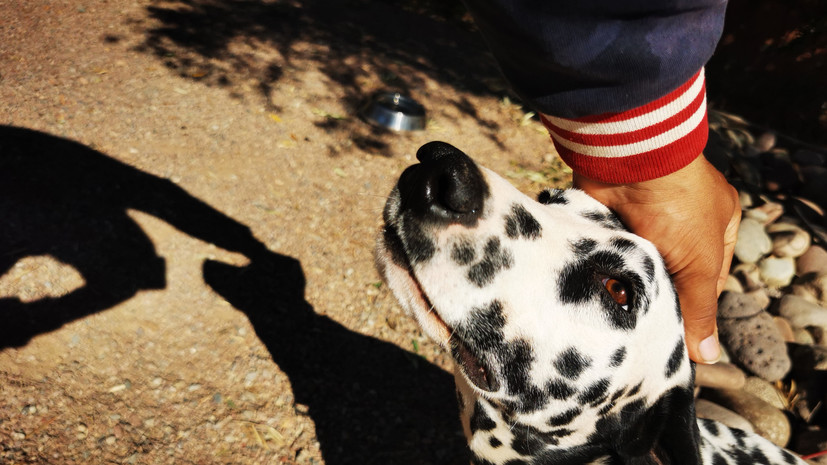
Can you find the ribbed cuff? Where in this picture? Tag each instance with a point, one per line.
(637, 145)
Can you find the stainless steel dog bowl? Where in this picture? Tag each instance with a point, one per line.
(395, 111)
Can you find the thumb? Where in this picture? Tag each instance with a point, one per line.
(699, 312)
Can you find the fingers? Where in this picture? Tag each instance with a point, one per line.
(700, 306)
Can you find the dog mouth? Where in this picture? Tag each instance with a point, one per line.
(395, 266)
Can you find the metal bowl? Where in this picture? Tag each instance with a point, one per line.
(395, 111)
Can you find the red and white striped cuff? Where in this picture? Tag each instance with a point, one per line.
(640, 144)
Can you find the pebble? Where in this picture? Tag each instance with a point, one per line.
(812, 287)
(802, 313)
(802, 336)
(785, 328)
(809, 157)
(713, 411)
(788, 240)
(734, 305)
(766, 213)
(719, 375)
(753, 242)
(732, 284)
(756, 344)
(814, 260)
(777, 271)
(765, 391)
(748, 275)
(767, 420)
(765, 142)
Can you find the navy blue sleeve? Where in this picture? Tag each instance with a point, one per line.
(590, 57)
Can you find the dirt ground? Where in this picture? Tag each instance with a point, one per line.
(186, 270)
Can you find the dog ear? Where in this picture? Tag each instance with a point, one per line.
(664, 434)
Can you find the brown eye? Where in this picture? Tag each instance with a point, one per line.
(617, 291)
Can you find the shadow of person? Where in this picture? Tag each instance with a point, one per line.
(63, 199)
(372, 403)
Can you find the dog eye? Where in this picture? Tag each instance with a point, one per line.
(617, 291)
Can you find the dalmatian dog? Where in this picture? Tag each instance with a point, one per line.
(565, 328)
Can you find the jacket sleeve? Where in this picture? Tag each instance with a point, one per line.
(619, 84)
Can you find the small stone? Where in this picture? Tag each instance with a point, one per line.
(765, 391)
(785, 328)
(734, 305)
(756, 344)
(788, 240)
(732, 284)
(766, 213)
(745, 199)
(767, 420)
(748, 275)
(777, 272)
(765, 142)
(802, 336)
(753, 242)
(802, 313)
(815, 285)
(814, 260)
(719, 375)
(713, 411)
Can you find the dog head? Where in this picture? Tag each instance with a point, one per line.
(565, 327)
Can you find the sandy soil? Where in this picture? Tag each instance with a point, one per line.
(186, 271)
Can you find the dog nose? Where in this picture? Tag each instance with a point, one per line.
(446, 184)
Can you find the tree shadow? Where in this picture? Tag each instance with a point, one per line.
(370, 403)
(397, 44)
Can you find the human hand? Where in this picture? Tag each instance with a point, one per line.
(692, 217)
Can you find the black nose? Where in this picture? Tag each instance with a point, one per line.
(446, 185)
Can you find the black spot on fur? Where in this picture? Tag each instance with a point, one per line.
(480, 461)
(607, 220)
(564, 418)
(617, 395)
(594, 393)
(710, 426)
(515, 462)
(583, 247)
(418, 245)
(482, 330)
(676, 359)
(717, 459)
(788, 457)
(553, 197)
(480, 421)
(463, 253)
(572, 363)
(649, 268)
(460, 401)
(520, 223)
(494, 259)
(494, 442)
(618, 357)
(560, 390)
(623, 245)
(635, 389)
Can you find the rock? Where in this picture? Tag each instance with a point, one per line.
(745, 199)
(765, 142)
(765, 391)
(815, 178)
(785, 328)
(778, 171)
(801, 312)
(756, 344)
(812, 285)
(765, 214)
(808, 357)
(777, 272)
(713, 411)
(802, 336)
(767, 420)
(734, 305)
(749, 276)
(753, 242)
(788, 240)
(719, 375)
(732, 284)
(814, 260)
